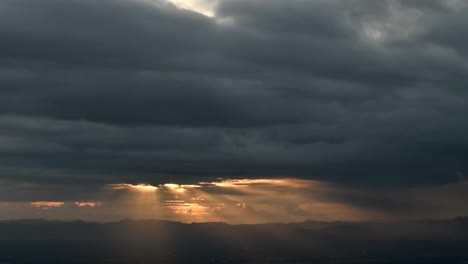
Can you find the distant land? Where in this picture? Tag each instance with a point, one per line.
(157, 241)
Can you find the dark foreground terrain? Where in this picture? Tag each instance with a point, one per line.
(152, 241)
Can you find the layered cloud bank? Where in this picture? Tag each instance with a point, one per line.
(358, 94)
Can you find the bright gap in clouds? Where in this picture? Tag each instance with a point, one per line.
(205, 7)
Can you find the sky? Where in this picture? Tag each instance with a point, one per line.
(242, 111)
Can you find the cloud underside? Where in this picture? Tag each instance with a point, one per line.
(362, 94)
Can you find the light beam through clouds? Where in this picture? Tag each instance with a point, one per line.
(240, 201)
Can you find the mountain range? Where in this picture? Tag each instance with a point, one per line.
(157, 241)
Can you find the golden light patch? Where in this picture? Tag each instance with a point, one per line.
(133, 187)
(47, 205)
(174, 187)
(235, 201)
(189, 186)
(87, 204)
(292, 183)
(191, 209)
(179, 188)
(241, 205)
(235, 183)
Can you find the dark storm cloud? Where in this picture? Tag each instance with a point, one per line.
(353, 92)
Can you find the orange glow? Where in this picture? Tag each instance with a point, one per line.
(143, 187)
(174, 187)
(234, 200)
(87, 204)
(47, 205)
(133, 187)
(191, 209)
(189, 186)
(293, 183)
(242, 205)
(179, 188)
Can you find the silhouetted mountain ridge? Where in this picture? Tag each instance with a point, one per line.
(456, 228)
(150, 241)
